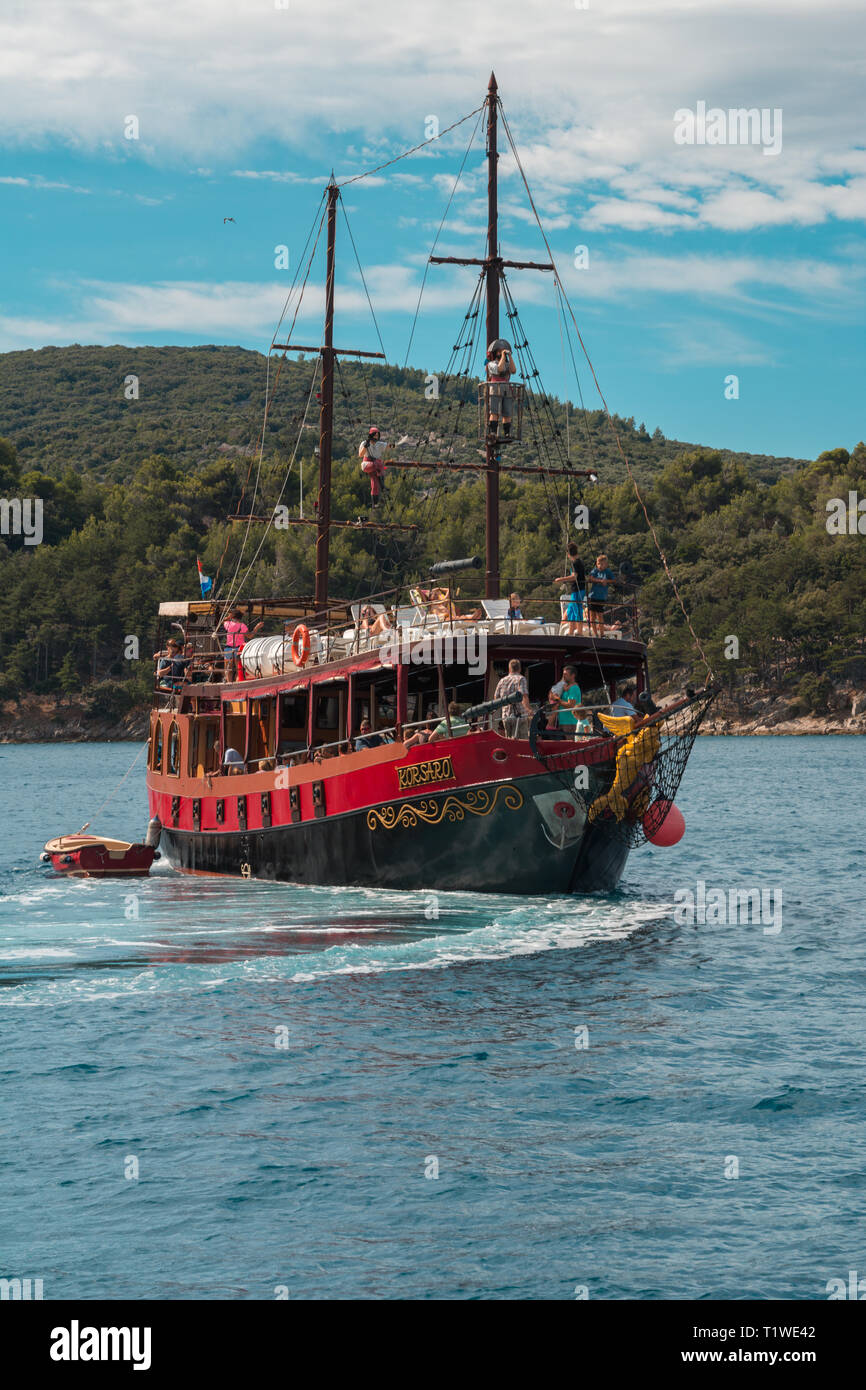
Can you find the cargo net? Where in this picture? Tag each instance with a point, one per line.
(631, 792)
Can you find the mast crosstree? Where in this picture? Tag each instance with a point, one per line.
(493, 266)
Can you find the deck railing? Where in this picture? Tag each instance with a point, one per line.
(408, 614)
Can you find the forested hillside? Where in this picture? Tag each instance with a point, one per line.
(134, 490)
(67, 408)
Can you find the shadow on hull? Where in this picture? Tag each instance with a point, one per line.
(527, 837)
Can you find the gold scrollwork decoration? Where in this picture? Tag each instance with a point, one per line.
(453, 808)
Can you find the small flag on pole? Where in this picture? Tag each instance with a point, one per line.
(203, 579)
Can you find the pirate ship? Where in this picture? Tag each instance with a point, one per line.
(257, 763)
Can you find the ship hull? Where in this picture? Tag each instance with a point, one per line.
(524, 837)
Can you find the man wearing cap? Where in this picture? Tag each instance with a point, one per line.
(500, 366)
(371, 453)
(171, 667)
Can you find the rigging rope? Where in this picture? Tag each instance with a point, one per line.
(414, 149)
(269, 398)
(112, 794)
(608, 415)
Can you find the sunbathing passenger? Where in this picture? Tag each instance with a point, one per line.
(374, 623)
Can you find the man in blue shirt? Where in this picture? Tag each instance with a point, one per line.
(599, 593)
(622, 704)
(367, 739)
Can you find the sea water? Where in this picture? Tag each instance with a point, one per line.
(216, 1088)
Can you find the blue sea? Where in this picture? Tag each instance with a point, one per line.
(218, 1089)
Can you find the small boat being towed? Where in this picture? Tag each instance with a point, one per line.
(91, 856)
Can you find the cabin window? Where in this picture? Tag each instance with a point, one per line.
(329, 712)
(422, 701)
(292, 721)
(204, 747)
(235, 730)
(263, 716)
(174, 750)
(156, 746)
(375, 699)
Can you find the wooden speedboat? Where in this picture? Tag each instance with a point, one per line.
(90, 856)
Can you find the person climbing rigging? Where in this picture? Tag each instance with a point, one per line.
(371, 452)
(500, 367)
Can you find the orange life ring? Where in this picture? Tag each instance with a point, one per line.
(300, 645)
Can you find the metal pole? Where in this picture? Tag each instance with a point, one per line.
(326, 413)
(491, 580)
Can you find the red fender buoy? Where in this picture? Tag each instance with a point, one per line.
(664, 824)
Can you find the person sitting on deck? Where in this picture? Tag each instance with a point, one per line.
(599, 594)
(370, 452)
(422, 735)
(575, 612)
(233, 763)
(374, 623)
(622, 704)
(566, 698)
(500, 367)
(171, 667)
(514, 611)
(516, 719)
(442, 607)
(367, 738)
(459, 727)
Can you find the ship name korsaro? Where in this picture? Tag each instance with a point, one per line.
(421, 774)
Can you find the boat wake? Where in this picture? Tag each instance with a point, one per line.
(87, 939)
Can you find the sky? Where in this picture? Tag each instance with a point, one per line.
(129, 133)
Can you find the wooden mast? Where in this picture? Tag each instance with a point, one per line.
(493, 266)
(493, 270)
(326, 412)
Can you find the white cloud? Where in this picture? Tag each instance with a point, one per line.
(591, 93)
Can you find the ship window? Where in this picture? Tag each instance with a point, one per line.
(376, 701)
(262, 721)
(156, 747)
(174, 750)
(292, 732)
(204, 747)
(329, 712)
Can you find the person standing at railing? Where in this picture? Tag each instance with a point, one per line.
(574, 613)
(599, 593)
(236, 633)
(566, 698)
(516, 720)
